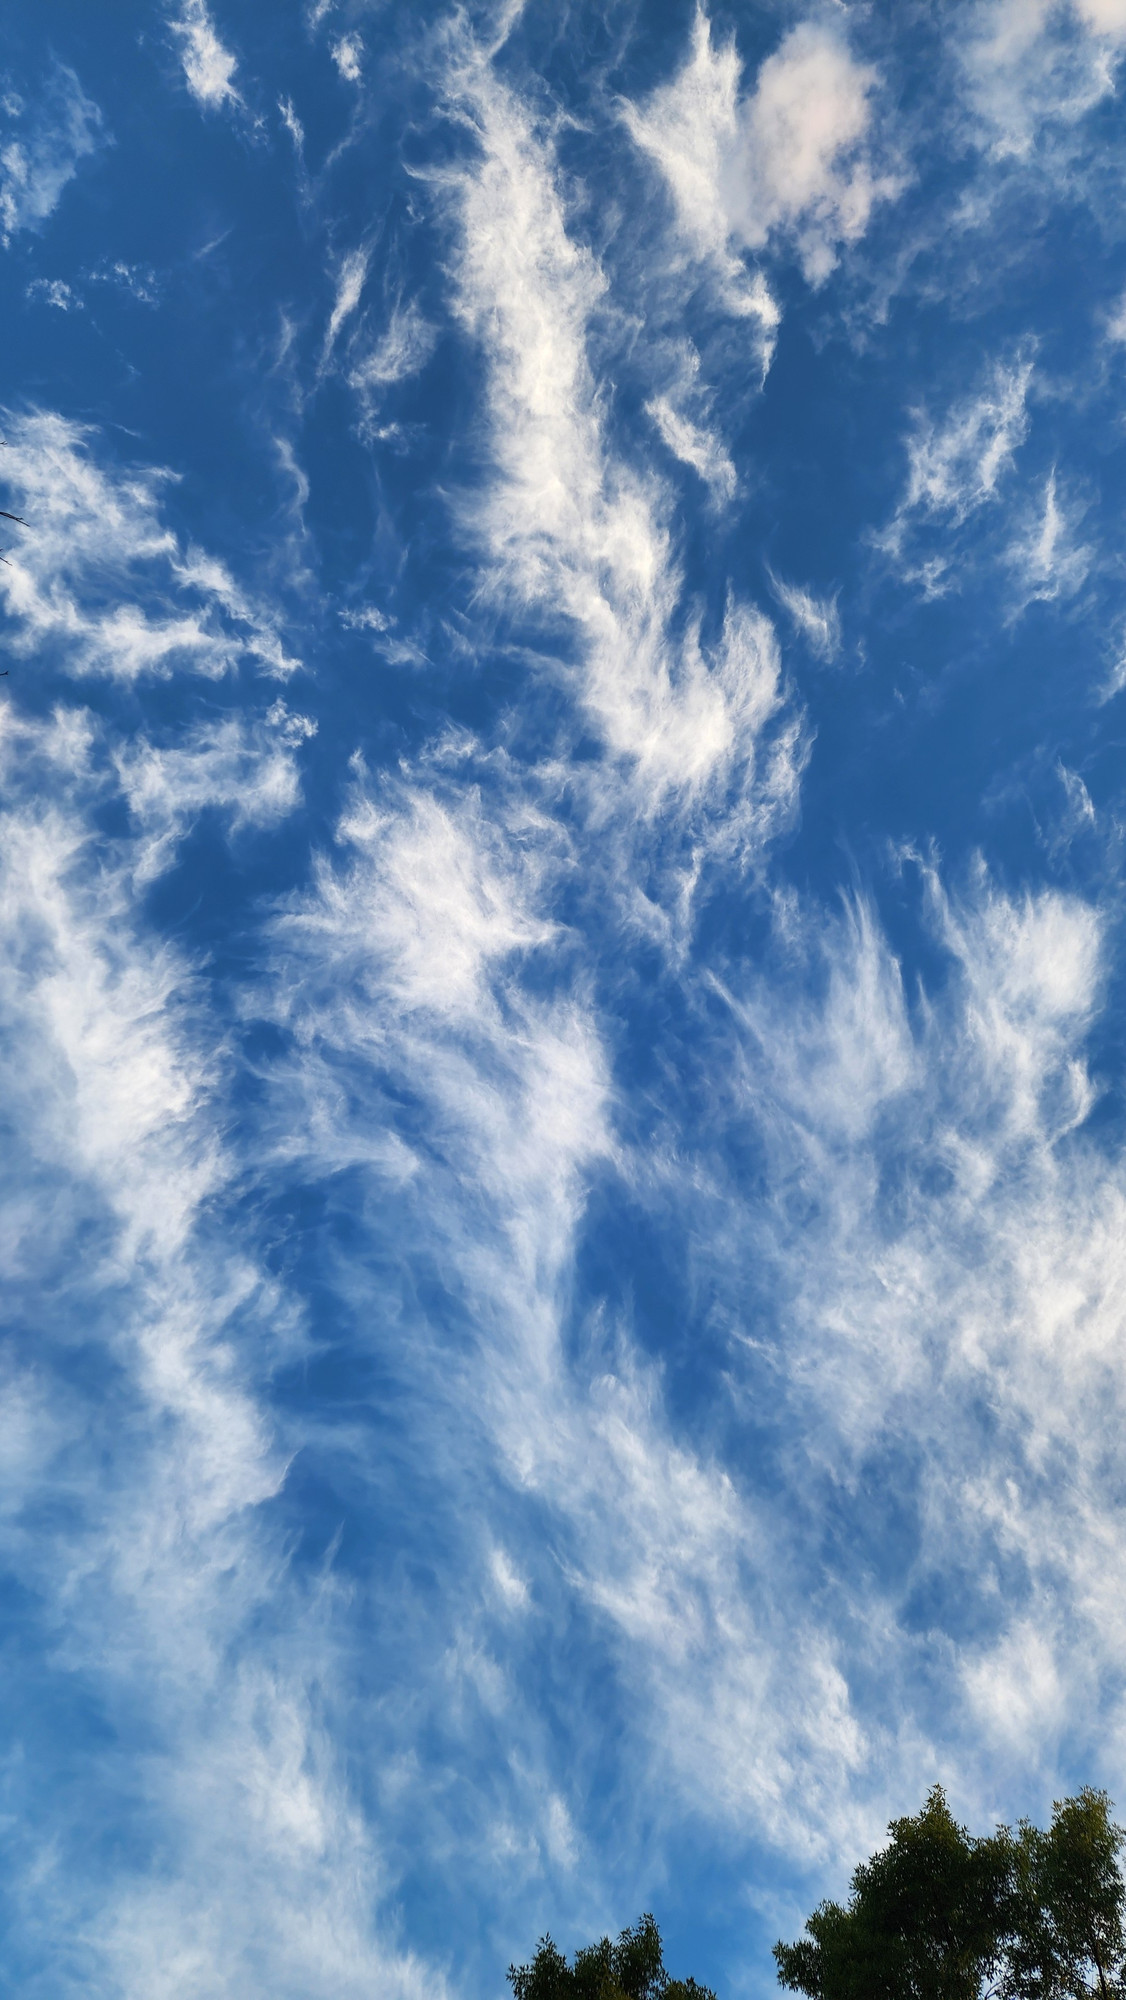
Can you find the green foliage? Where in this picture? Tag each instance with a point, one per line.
(922, 1919)
(1067, 1935)
(631, 1969)
(937, 1914)
(941, 1915)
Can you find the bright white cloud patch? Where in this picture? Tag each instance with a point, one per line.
(347, 54)
(41, 145)
(690, 128)
(209, 68)
(799, 163)
(787, 160)
(1103, 17)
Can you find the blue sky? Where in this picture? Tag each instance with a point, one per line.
(563, 1237)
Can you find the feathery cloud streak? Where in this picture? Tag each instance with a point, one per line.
(571, 531)
(98, 579)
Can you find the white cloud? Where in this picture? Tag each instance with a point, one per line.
(139, 280)
(1016, 1688)
(800, 165)
(686, 1575)
(928, 1269)
(54, 292)
(816, 618)
(408, 964)
(1031, 66)
(961, 1252)
(572, 531)
(439, 905)
(247, 772)
(510, 1584)
(396, 649)
(349, 290)
(1103, 17)
(292, 124)
(112, 1078)
(401, 351)
(958, 465)
(209, 68)
(1047, 560)
(790, 161)
(347, 54)
(695, 446)
(49, 137)
(689, 128)
(366, 619)
(99, 577)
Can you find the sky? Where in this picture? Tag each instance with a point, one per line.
(562, 970)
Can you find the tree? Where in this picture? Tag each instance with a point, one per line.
(922, 1920)
(1067, 1936)
(631, 1969)
(941, 1915)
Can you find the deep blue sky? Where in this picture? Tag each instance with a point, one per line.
(563, 1238)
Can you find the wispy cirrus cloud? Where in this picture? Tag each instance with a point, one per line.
(955, 466)
(898, 1137)
(118, 1176)
(47, 138)
(401, 350)
(1047, 558)
(1030, 66)
(816, 618)
(962, 1252)
(696, 446)
(405, 979)
(573, 534)
(247, 772)
(100, 579)
(963, 464)
(689, 128)
(958, 464)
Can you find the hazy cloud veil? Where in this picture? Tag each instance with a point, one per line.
(564, 1222)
